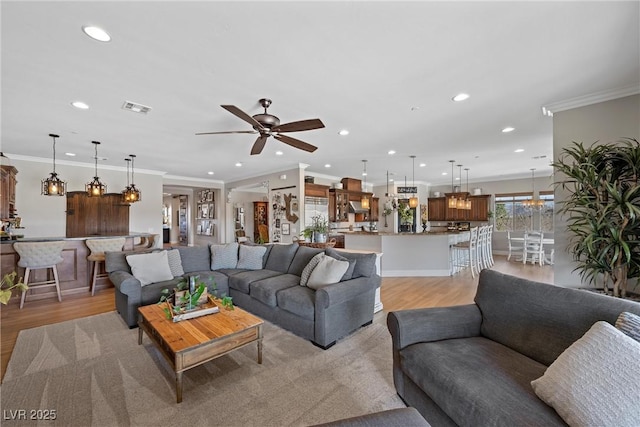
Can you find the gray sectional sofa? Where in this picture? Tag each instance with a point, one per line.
(272, 292)
(472, 365)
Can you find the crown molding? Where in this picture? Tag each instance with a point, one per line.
(593, 98)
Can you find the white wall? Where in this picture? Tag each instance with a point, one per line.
(45, 216)
(604, 122)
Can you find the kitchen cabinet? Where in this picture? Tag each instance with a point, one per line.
(338, 205)
(375, 209)
(8, 195)
(437, 208)
(479, 208)
(106, 215)
(316, 190)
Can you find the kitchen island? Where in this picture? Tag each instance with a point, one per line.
(75, 270)
(409, 254)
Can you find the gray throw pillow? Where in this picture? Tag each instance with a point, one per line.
(604, 362)
(224, 256)
(175, 262)
(629, 323)
(250, 257)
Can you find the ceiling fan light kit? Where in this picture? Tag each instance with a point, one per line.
(269, 125)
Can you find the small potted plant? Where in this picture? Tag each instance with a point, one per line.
(406, 218)
(320, 228)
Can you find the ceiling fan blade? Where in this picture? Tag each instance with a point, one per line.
(296, 143)
(241, 114)
(301, 125)
(231, 131)
(259, 144)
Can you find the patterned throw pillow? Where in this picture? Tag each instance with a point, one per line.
(306, 272)
(251, 257)
(604, 362)
(175, 262)
(224, 256)
(629, 323)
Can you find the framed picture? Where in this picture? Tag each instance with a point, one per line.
(211, 211)
(285, 229)
(210, 196)
(277, 222)
(199, 214)
(294, 205)
(205, 211)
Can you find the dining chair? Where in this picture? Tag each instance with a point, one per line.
(533, 248)
(514, 245)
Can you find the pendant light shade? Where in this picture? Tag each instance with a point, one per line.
(453, 202)
(413, 200)
(132, 194)
(364, 200)
(96, 188)
(533, 202)
(53, 186)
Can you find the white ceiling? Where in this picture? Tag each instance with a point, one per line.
(355, 65)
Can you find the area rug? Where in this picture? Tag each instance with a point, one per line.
(92, 372)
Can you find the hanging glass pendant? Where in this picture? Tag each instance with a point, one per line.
(96, 188)
(53, 186)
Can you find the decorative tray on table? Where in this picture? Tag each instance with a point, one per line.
(179, 313)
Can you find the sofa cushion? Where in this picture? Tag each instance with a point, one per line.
(328, 271)
(150, 268)
(629, 323)
(480, 382)
(242, 280)
(251, 257)
(152, 292)
(365, 262)
(224, 256)
(280, 257)
(604, 362)
(195, 258)
(304, 254)
(352, 265)
(308, 269)
(265, 290)
(175, 262)
(537, 319)
(298, 300)
(213, 279)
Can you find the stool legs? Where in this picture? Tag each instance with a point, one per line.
(26, 282)
(55, 282)
(55, 277)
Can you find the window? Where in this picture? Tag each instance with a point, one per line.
(511, 214)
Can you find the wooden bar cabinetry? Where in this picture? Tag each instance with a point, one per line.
(439, 208)
(106, 215)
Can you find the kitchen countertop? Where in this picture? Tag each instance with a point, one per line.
(55, 239)
(376, 233)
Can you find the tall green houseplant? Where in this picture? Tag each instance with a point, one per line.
(603, 210)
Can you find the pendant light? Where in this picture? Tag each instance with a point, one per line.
(533, 202)
(134, 194)
(452, 201)
(125, 192)
(413, 200)
(364, 200)
(467, 203)
(461, 201)
(95, 188)
(53, 186)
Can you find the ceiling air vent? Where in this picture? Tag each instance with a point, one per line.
(136, 108)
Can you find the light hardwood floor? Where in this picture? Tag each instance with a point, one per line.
(397, 293)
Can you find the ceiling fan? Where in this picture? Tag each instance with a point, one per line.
(269, 125)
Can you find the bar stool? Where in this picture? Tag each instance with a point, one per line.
(465, 254)
(39, 255)
(98, 247)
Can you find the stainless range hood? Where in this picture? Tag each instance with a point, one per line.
(356, 207)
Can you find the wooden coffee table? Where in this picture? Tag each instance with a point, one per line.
(190, 343)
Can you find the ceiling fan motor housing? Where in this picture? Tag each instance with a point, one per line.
(267, 120)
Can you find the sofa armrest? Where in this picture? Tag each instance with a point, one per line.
(433, 324)
(126, 284)
(343, 291)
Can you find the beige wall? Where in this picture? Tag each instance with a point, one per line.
(604, 122)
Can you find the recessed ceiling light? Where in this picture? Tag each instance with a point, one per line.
(238, 164)
(508, 129)
(445, 173)
(279, 153)
(422, 165)
(415, 108)
(460, 97)
(364, 174)
(343, 132)
(519, 150)
(327, 165)
(96, 33)
(390, 179)
(80, 105)
(391, 152)
(210, 173)
(70, 154)
(457, 178)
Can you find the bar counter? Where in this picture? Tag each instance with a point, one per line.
(409, 254)
(74, 271)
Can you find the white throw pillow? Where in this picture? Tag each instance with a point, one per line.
(175, 262)
(328, 271)
(251, 257)
(150, 268)
(224, 256)
(308, 269)
(596, 381)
